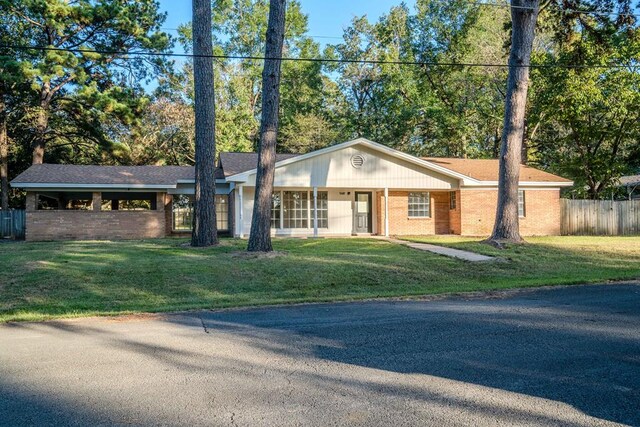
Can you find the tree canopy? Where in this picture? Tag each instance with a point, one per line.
(85, 107)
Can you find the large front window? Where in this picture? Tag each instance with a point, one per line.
(276, 209)
(294, 209)
(183, 212)
(323, 209)
(419, 205)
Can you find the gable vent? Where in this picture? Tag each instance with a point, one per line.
(357, 160)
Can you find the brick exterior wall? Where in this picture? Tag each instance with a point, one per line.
(455, 216)
(96, 224)
(474, 214)
(542, 212)
(399, 221)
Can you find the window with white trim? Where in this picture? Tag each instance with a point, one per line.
(276, 209)
(419, 205)
(222, 212)
(521, 204)
(323, 209)
(295, 209)
(452, 200)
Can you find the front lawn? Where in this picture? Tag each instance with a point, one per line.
(66, 279)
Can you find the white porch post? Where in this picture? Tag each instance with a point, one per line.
(241, 210)
(386, 212)
(315, 211)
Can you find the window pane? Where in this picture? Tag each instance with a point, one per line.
(276, 203)
(222, 212)
(521, 201)
(452, 200)
(182, 212)
(419, 205)
(295, 209)
(323, 209)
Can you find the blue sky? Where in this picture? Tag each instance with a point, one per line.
(327, 18)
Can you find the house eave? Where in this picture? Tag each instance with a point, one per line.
(48, 185)
(552, 184)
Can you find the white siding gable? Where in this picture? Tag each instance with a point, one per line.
(379, 170)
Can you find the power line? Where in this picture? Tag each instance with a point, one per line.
(322, 60)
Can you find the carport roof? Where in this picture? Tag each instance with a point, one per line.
(100, 176)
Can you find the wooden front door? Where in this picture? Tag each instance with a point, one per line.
(362, 213)
(441, 213)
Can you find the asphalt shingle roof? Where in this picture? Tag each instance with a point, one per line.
(104, 175)
(487, 169)
(234, 163)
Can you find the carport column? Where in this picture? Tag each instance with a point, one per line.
(97, 201)
(241, 209)
(315, 211)
(386, 212)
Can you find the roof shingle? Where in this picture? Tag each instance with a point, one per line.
(488, 169)
(104, 175)
(234, 163)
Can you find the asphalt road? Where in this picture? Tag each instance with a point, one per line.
(566, 356)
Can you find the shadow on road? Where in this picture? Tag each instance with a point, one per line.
(578, 345)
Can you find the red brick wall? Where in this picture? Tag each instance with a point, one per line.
(399, 221)
(95, 224)
(455, 217)
(542, 212)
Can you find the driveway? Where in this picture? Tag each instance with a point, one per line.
(565, 356)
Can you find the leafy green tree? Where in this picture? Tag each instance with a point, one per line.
(587, 118)
(84, 75)
(239, 28)
(426, 110)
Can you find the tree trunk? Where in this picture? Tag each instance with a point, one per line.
(42, 123)
(523, 15)
(205, 231)
(260, 234)
(4, 160)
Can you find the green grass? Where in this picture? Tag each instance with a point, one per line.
(69, 279)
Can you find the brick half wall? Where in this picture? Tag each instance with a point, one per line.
(95, 225)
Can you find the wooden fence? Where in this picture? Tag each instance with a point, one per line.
(12, 224)
(600, 217)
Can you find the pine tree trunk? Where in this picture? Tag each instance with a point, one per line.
(42, 123)
(260, 235)
(4, 160)
(506, 229)
(205, 231)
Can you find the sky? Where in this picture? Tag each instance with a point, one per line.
(327, 18)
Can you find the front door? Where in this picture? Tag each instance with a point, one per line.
(441, 212)
(362, 213)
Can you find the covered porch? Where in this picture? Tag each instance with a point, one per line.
(325, 211)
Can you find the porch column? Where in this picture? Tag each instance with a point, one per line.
(315, 211)
(241, 209)
(386, 212)
(97, 201)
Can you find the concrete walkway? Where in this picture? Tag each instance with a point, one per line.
(441, 250)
